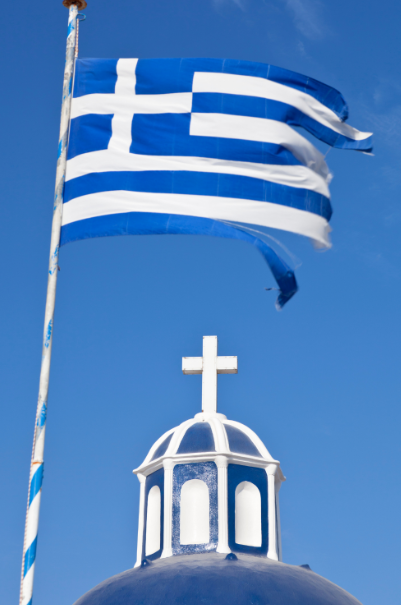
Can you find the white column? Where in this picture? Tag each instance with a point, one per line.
(271, 507)
(141, 519)
(222, 499)
(168, 507)
(280, 551)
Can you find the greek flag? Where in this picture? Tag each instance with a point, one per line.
(201, 146)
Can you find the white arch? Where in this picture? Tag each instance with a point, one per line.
(194, 513)
(153, 521)
(248, 515)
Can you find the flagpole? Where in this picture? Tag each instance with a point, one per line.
(36, 469)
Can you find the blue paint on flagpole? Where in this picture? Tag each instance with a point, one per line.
(36, 471)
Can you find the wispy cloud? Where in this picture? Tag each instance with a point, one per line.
(221, 3)
(386, 128)
(301, 49)
(307, 17)
(386, 91)
(384, 114)
(387, 124)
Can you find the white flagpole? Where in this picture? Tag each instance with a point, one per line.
(36, 470)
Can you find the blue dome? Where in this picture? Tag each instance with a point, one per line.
(211, 579)
(208, 433)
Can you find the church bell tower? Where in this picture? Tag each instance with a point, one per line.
(209, 484)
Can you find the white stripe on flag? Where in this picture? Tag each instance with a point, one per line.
(121, 124)
(242, 211)
(180, 102)
(259, 129)
(126, 76)
(110, 161)
(252, 86)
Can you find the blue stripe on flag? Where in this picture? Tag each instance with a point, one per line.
(168, 134)
(162, 76)
(199, 183)
(256, 107)
(95, 76)
(30, 556)
(36, 483)
(90, 132)
(145, 223)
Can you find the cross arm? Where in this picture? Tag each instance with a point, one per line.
(192, 365)
(227, 365)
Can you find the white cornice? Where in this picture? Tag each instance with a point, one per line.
(155, 465)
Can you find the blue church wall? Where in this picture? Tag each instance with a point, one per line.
(236, 474)
(207, 472)
(156, 478)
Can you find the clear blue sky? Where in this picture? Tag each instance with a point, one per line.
(320, 382)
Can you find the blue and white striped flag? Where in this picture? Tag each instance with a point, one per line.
(197, 145)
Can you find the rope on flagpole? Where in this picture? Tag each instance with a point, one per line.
(36, 470)
(80, 17)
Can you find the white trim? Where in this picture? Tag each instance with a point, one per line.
(141, 519)
(272, 552)
(267, 214)
(156, 445)
(219, 434)
(209, 415)
(168, 465)
(178, 436)
(222, 504)
(280, 548)
(258, 443)
(153, 518)
(241, 459)
(214, 433)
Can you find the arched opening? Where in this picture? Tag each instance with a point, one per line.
(194, 513)
(153, 521)
(248, 515)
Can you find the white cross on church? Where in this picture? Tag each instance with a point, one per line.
(209, 366)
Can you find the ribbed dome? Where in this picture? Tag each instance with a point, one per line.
(211, 579)
(208, 433)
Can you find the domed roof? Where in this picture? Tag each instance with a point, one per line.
(208, 433)
(212, 578)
